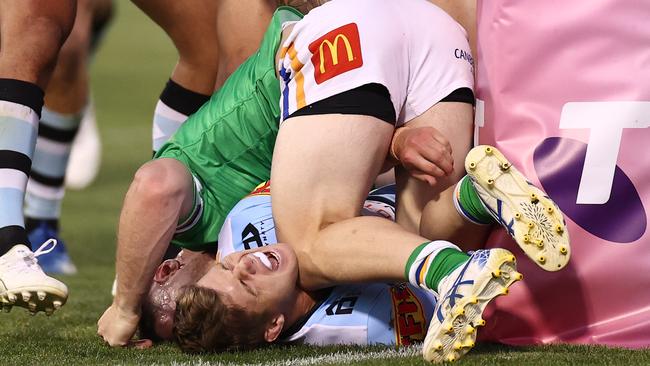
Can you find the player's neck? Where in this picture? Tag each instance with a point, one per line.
(304, 303)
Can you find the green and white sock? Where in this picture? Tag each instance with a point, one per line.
(431, 262)
(469, 204)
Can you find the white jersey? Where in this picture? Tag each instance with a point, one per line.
(411, 47)
(361, 314)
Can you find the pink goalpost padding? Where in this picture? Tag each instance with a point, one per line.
(564, 92)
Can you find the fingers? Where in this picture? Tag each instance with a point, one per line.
(438, 150)
(429, 159)
(426, 150)
(440, 158)
(113, 342)
(441, 139)
(141, 344)
(114, 330)
(417, 163)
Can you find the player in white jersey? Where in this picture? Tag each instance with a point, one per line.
(362, 314)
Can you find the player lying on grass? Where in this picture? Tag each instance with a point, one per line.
(217, 157)
(232, 308)
(347, 314)
(251, 297)
(316, 317)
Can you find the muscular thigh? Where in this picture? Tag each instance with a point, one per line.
(191, 25)
(240, 27)
(454, 120)
(67, 91)
(437, 73)
(31, 34)
(188, 23)
(323, 167)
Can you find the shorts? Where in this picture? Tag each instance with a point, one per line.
(411, 47)
(227, 145)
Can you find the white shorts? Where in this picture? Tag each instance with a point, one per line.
(411, 47)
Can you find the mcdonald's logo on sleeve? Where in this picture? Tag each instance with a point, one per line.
(336, 52)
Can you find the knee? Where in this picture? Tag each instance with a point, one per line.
(73, 56)
(33, 46)
(49, 28)
(202, 61)
(161, 182)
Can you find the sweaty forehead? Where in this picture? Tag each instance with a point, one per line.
(231, 291)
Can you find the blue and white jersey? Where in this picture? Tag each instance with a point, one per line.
(351, 314)
(367, 314)
(250, 223)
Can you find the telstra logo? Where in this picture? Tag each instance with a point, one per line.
(584, 179)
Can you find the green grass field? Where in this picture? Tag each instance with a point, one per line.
(128, 75)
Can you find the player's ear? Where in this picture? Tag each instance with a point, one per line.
(274, 328)
(166, 269)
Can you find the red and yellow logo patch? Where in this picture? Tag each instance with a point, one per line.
(336, 52)
(264, 189)
(410, 324)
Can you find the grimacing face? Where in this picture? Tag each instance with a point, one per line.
(261, 279)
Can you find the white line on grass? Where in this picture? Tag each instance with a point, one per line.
(330, 358)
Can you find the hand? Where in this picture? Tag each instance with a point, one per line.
(117, 327)
(424, 152)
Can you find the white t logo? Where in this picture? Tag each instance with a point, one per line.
(606, 120)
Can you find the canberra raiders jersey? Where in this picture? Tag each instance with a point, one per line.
(361, 314)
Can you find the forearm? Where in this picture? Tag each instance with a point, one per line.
(160, 193)
(136, 263)
(141, 245)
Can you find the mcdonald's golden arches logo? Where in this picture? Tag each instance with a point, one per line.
(336, 52)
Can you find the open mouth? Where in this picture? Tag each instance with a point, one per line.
(269, 259)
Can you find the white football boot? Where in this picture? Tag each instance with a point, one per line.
(85, 155)
(463, 295)
(528, 214)
(23, 283)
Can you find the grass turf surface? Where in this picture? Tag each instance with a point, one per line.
(128, 75)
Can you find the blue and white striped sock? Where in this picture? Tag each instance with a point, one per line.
(175, 105)
(20, 107)
(45, 189)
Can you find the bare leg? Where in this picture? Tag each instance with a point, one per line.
(67, 92)
(430, 210)
(31, 34)
(191, 27)
(323, 167)
(65, 99)
(240, 27)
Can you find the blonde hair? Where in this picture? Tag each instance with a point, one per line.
(204, 323)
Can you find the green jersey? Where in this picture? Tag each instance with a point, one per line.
(227, 145)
